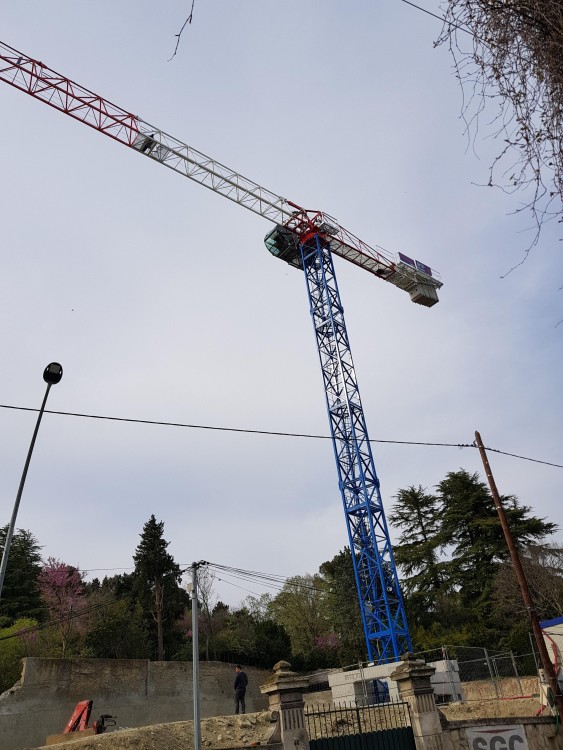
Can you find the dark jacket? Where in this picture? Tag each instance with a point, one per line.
(241, 681)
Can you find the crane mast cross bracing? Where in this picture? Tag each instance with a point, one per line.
(307, 240)
(59, 92)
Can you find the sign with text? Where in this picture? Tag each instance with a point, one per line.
(497, 738)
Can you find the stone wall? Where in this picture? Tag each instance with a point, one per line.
(138, 692)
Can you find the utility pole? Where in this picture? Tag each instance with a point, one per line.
(195, 656)
(522, 582)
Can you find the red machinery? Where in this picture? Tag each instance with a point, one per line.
(78, 722)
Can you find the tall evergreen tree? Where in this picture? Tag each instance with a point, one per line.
(20, 593)
(471, 527)
(156, 584)
(429, 591)
(417, 513)
(450, 550)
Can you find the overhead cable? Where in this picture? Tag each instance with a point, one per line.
(440, 18)
(273, 433)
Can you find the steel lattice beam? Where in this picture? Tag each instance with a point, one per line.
(381, 602)
(76, 101)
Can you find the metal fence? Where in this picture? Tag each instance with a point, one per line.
(352, 718)
(502, 674)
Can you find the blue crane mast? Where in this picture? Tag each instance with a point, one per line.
(381, 602)
(307, 240)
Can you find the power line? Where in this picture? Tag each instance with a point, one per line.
(241, 588)
(58, 621)
(273, 433)
(523, 458)
(274, 577)
(268, 579)
(440, 18)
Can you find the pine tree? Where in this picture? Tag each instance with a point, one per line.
(470, 525)
(428, 590)
(450, 551)
(20, 593)
(417, 514)
(156, 583)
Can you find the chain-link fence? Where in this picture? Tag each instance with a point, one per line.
(481, 673)
(468, 673)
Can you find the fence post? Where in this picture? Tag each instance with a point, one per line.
(515, 667)
(285, 695)
(413, 680)
(488, 660)
(534, 651)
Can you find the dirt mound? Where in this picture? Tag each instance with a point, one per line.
(491, 709)
(216, 732)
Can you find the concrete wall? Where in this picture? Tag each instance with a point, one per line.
(138, 692)
(357, 684)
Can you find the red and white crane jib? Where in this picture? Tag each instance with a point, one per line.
(36, 79)
(39, 81)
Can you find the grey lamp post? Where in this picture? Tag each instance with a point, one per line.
(52, 375)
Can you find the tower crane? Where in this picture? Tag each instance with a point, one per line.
(308, 240)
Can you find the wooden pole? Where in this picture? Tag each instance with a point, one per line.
(522, 582)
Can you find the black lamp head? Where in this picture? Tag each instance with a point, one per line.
(53, 373)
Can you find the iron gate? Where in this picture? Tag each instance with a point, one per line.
(383, 726)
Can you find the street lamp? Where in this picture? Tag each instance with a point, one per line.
(52, 375)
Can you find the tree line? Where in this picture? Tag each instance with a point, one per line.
(456, 578)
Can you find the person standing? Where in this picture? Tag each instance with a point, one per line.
(241, 681)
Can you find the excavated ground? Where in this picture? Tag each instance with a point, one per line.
(254, 729)
(493, 709)
(217, 732)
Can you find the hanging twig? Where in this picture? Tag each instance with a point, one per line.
(179, 34)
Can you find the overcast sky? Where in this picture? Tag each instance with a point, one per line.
(161, 302)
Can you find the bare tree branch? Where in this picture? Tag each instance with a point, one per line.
(515, 59)
(179, 34)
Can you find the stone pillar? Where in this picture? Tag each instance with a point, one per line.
(285, 695)
(413, 680)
